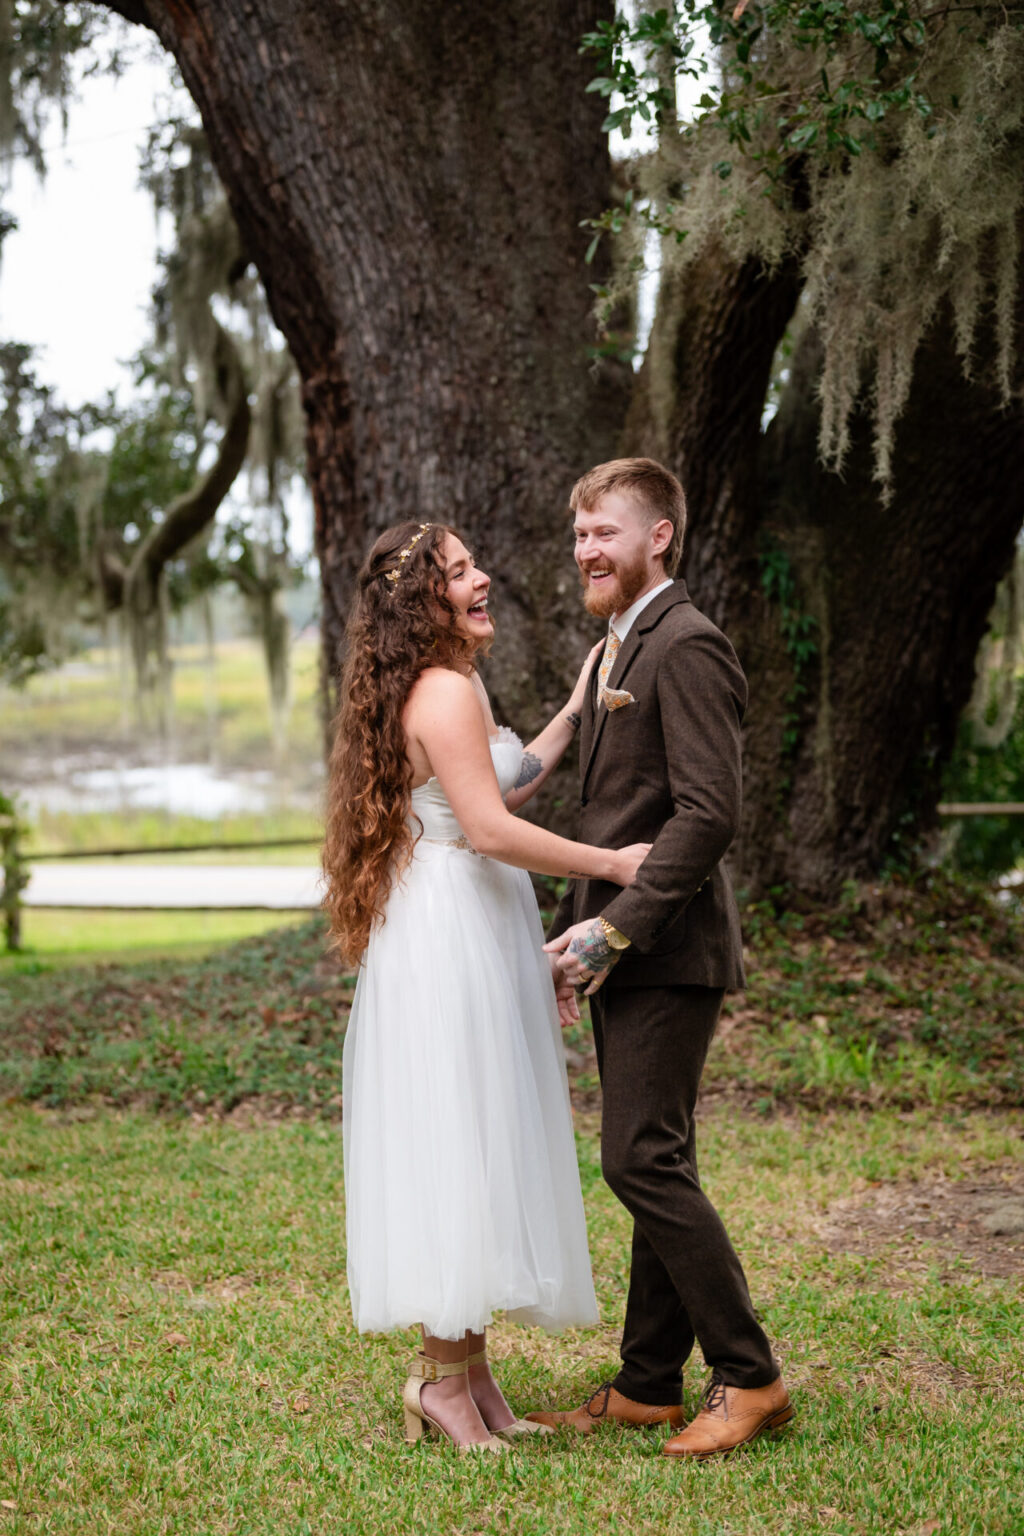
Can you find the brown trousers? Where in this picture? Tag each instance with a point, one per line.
(686, 1281)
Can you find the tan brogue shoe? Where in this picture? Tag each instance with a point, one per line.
(608, 1406)
(730, 1416)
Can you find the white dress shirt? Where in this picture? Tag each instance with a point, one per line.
(623, 622)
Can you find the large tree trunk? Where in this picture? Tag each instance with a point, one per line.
(852, 715)
(410, 181)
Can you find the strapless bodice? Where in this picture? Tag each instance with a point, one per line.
(430, 806)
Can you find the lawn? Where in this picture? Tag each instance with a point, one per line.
(911, 995)
(52, 936)
(178, 1352)
(72, 710)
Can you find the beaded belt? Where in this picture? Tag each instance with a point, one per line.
(451, 842)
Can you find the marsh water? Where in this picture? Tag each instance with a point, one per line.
(179, 789)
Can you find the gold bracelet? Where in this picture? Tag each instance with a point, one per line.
(616, 939)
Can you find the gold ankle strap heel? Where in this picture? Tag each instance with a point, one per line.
(417, 1421)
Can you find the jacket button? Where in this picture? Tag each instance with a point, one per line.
(583, 802)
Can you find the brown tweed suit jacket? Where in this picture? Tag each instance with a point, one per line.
(665, 769)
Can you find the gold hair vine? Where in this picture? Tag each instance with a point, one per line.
(404, 553)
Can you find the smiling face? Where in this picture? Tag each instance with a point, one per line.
(620, 553)
(466, 588)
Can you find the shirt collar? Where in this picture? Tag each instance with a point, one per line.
(625, 621)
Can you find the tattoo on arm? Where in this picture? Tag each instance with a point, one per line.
(532, 766)
(573, 720)
(594, 950)
(576, 874)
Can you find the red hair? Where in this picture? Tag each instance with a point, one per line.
(401, 623)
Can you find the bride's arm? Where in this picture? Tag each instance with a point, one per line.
(445, 715)
(545, 752)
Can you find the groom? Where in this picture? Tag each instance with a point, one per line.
(660, 763)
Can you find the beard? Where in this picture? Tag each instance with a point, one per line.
(618, 594)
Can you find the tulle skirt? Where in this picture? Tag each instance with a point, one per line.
(461, 1182)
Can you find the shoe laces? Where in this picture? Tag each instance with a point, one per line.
(714, 1395)
(606, 1388)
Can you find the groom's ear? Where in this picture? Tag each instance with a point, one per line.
(661, 537)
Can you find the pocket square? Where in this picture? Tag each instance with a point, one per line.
(615, 698)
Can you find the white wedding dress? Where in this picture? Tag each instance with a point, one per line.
(461, 1183)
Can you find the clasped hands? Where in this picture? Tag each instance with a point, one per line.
(581, 958)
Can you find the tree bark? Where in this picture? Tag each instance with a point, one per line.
(410, 183)
(901, 596)
(844, 747)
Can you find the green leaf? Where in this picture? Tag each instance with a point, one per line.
(803, 137)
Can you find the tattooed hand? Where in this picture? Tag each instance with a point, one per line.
(586, 955)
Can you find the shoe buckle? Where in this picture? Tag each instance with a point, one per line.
(427, 1369)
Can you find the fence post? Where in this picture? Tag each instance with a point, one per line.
(15, 880)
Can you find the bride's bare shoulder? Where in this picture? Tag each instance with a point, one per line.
(439, 688)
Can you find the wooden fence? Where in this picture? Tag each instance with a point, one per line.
(15, 862)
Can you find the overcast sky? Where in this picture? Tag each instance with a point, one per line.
(75, 276)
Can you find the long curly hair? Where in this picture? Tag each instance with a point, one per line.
(401, 622)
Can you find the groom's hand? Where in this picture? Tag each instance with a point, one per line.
(585, 955)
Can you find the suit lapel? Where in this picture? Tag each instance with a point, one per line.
(595, 717)
(588, 717)
(624, 660)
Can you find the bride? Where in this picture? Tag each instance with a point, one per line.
(462, 1188)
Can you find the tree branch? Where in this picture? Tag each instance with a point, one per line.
(190, 513)
(699, 402)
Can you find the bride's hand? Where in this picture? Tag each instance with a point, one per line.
(579, 693)
(565, 994)
(628, 861)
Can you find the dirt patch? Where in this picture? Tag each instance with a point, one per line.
(979, 1218)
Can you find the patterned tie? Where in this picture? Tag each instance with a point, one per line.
(611, 650)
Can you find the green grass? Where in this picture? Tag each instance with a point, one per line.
(179, 1354)
(85, 703)
(906, 993)
(83, 831)
(920, 1002)
(261, 1020)
(177, 1351)
(52, 937)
